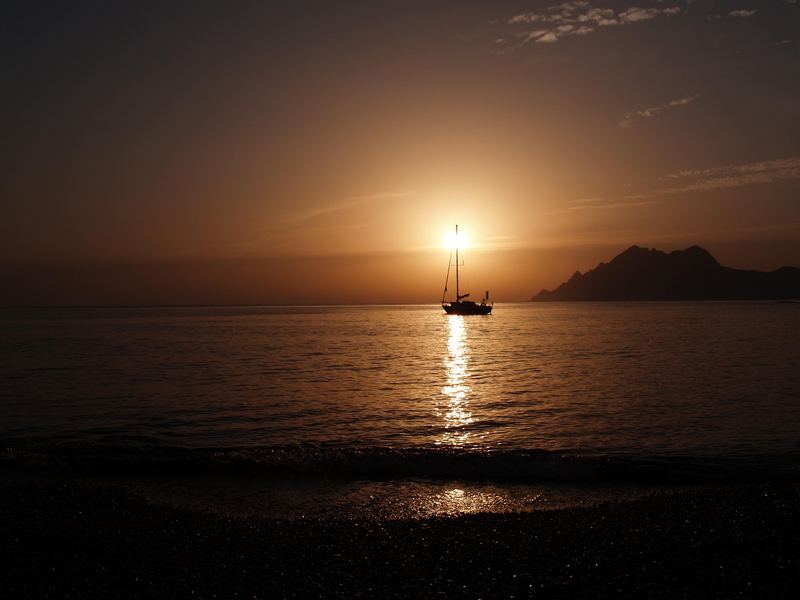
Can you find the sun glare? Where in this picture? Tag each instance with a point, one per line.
(453, 241)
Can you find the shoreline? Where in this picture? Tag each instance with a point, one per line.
(79, 540)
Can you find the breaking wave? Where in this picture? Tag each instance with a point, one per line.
(382, 463)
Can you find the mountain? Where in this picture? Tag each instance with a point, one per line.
(691, 274)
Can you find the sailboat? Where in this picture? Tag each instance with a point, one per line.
(460, 306)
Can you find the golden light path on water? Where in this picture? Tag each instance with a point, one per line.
(455, 409)
(454, 412)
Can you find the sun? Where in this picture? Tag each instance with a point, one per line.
(453, 241)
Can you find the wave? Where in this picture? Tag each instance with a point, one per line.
(383, 463)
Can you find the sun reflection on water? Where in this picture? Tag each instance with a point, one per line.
(454, 411)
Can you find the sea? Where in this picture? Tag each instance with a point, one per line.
(401, 411)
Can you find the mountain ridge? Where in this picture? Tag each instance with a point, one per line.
(691, 274)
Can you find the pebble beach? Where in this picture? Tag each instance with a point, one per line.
(70, 539)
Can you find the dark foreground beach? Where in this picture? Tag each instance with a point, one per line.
(70, 539)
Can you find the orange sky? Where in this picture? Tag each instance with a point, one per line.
(198, 153)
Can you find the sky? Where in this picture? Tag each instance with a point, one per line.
(318, 152)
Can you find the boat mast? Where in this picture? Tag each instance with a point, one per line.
(458, 299)
(447, 278)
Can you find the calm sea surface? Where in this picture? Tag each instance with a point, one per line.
(407, 390)
(705, 378)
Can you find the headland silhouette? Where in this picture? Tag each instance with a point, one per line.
(690, 274)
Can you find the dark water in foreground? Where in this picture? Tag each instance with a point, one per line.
(337, 406)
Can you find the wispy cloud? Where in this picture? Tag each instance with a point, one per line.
(737, 14)
(577, 17)
(729, 176)
(601, 204)
(724, 233)
(584, 200)
(653, 111)
(299, 217)
(319, 219)
(608, 205)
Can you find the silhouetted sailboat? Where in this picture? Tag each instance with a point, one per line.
(459, 306)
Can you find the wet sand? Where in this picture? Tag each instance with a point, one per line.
(72, 540)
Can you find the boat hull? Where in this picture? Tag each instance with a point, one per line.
(466, 308)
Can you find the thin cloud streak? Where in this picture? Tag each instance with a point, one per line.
(584, 200)
(612, 205)
(653, 111)
(737, 14)
(592, 205)
(731, 176)
(302, 219)
(352, 202)
(742, 14)
(730, 232)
